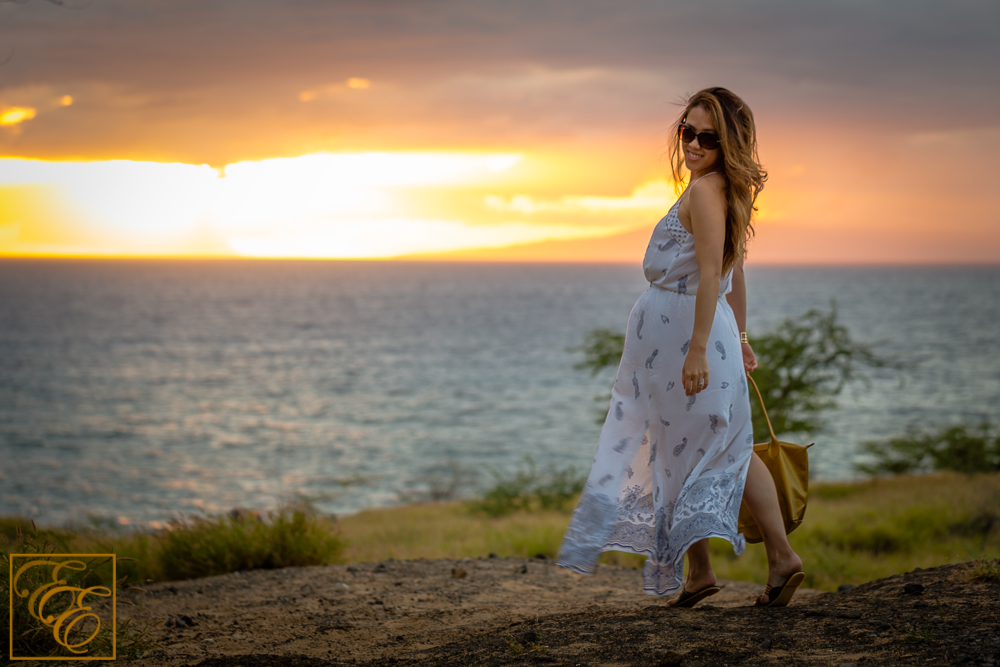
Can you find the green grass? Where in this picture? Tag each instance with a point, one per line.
(859, 532)
(530, 489)
(201, 546)
(31, 638)
(292, 535)
(853, 533)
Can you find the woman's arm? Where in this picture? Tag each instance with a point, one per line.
(707, 212)
(737, 299)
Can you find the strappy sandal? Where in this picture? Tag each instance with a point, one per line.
(780, 596)
(686, 599)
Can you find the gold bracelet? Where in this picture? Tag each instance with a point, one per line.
(743, 337)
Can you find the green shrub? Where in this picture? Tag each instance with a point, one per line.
(959, 448)
(802, 365)
(602, 348)
(526, 489)
(31, 638)
(293, 536)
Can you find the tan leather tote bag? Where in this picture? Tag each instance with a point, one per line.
(789, 466)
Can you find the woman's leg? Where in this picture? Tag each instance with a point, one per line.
(761, 498)
(700, 573)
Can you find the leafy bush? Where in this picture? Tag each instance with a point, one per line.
(959, 448)
(802, 365)
(601, 348)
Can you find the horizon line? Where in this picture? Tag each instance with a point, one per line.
(411, 260)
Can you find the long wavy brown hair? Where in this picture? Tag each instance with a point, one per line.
(738, 163)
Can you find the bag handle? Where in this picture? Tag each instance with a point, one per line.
(772, 449)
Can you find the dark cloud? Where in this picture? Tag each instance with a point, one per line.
(184, 69)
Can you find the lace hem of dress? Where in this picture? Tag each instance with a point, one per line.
(587, 533)
(709, 507)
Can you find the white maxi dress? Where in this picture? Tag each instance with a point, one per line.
(669, 468)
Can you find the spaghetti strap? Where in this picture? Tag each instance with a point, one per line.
(692, 184)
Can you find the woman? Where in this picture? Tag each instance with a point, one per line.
(676, 450)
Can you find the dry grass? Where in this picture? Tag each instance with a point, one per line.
(291, 535)
(982, 571)
(449, 530)
(853, 532)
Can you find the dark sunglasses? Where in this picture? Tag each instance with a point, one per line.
(707, 140)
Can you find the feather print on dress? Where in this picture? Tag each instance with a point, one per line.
(679, 449)
(673, 500)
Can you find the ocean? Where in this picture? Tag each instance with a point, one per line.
(137, 391)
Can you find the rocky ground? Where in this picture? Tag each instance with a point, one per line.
(494, 611)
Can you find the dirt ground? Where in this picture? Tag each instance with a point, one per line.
(494, 611)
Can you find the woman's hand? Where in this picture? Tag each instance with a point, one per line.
(749, 358)
(695, 372)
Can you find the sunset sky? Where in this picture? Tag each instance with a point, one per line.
(489, 129)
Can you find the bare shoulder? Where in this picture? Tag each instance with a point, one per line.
(706, 200)
(709, 190)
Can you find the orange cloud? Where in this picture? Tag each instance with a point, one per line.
(16, 115)
(331, 89)
(324, 205)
